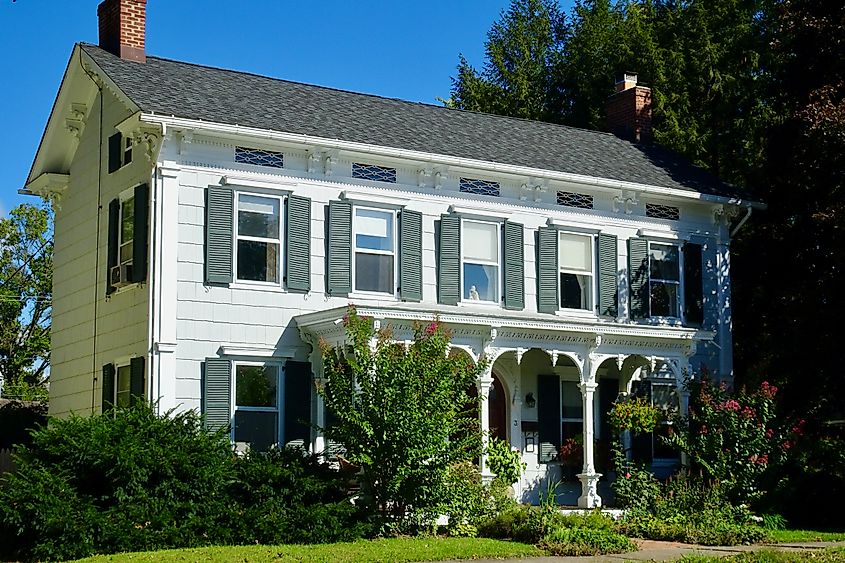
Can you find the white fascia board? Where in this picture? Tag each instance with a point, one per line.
(434, 159)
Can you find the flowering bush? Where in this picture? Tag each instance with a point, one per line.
(402, 413)
(732, 437)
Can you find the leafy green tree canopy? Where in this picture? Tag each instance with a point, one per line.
(402, 413)
(26, 277)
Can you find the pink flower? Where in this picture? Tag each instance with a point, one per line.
(627, 475)
(768, 390)
(770, 433)
(730, 405)
(798, 429)
(748, 412)
(763, 459)
(703, 430)
(431, 328)
(787, 444)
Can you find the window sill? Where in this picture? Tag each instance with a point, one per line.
(580, 314)
(485, 304)
(124, 289)
(372, 296)
(269, 287)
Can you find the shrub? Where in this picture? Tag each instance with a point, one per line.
(403, 414)
(132, 481)
(585, 541)
(289, 496)
(731, 436)
(692, 510)
(504, 461)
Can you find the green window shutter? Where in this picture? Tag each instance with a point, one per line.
(298, 234)
(514, 270)
(449, 260)
(141, 226)
(638, 277)
(297, 408)
(339, 262)
(410, 255)
(113, 241)
(217, 393)
(115, 152)
(136, 380)
(693, 288)
(107, 403)
(548, 299)
(548, 416)
(219, 211)
(608, 268)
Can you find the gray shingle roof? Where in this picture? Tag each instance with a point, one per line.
(193, 91)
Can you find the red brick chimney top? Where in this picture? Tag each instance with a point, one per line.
(123, 25)
(628, 111)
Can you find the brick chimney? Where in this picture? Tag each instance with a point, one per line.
(123, 25)
(628, 111)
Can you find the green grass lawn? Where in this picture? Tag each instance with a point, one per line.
(831, 555)
(386, 550)
(781, 536)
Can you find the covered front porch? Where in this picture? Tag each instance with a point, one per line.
(547, 387)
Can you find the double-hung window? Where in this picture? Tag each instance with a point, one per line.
(257, 403)
(651, 447)
(571, 410)
(480, 256)
(258, 233)
(664, 280)
(127, 231)
(375, 250)
(577, 264)
(122, 386)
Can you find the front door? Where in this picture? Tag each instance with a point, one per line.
(498, 410)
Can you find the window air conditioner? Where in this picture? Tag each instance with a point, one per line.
(121, 275)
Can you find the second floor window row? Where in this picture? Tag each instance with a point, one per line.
(256, 238)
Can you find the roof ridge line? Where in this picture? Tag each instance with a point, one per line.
(370, 95)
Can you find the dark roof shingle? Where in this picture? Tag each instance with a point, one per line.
(193, 91)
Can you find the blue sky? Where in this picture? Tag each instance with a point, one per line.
(397, 48)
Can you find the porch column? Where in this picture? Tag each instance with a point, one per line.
(320, 419)
(589, 478)
(485, 382)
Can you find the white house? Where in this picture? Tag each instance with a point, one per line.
(212, 225)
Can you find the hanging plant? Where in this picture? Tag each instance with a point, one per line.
(635, 415)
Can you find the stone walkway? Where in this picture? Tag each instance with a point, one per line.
(672, 551)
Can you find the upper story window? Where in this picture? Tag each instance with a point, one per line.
(479, 187)
(259, 157)
(480, 257)
(573, 199)
(375, 250)
(657, 211)
(258, 235)
(256, 419)
(127, 231)
(120, 151)
(373, 172)
(664, 280)
(575, 259)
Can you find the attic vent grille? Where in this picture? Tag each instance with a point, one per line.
(572, 199)
(657, 211)
(259, 157)
(373, 172)
(480, 187)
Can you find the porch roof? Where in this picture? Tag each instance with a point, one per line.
(484, 330)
